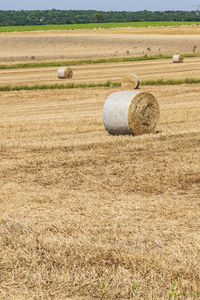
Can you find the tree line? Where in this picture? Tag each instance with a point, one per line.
(54, 16)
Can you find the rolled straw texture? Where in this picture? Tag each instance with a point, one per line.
(178, 58)
(131, 112)
(130, 82)
(65, 72)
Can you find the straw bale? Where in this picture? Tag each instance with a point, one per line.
(130, 82)
(178, 58)
(131, 112)
(65, 72)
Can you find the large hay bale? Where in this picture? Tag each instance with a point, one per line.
(130, 82)
(131, 112)
(178, 58)
(65, 72)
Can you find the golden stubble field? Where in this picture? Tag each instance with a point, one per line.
(96, 73)
(80, 44)
(87, 215)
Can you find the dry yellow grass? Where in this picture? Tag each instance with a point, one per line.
(86, 215)
(103, 72)
(77, 44)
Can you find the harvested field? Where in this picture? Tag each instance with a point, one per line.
(87, 215)
(102, 72)
(63, 45)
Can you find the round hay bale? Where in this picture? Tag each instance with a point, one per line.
(178, 58)
(65, 72)
(130, 82)
(131, 112)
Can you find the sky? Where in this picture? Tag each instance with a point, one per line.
(127, 5)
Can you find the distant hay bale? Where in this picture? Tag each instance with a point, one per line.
(178, 58)
(65, 72)
(131, 112)
(130, 82)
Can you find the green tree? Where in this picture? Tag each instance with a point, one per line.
(98, 18)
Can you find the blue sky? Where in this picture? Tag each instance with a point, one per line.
(128, 5)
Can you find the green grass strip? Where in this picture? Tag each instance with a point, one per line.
(171, 81)
(70, 85)
(91, 26)
(91, 61)
(108, 84)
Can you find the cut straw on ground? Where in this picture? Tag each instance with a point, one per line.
(89, 61)
(109, 84)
